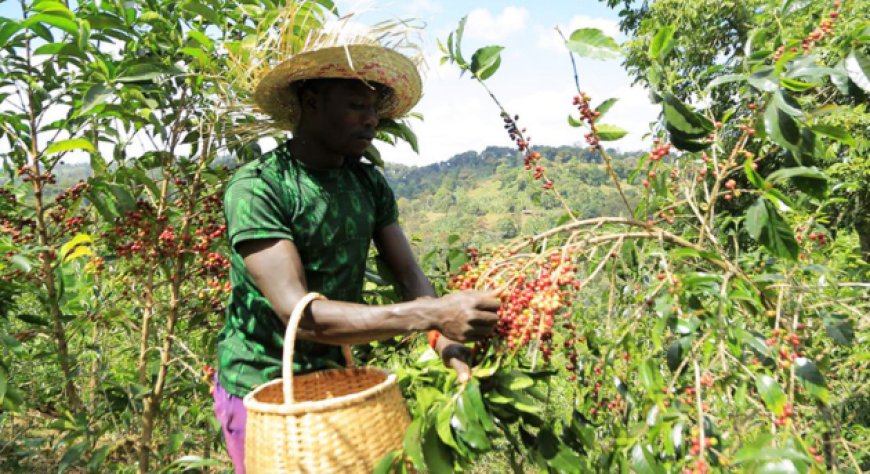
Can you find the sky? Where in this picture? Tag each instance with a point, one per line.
(535, 79)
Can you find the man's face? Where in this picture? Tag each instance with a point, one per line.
(345, 117)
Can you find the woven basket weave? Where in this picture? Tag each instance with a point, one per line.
(332, 421)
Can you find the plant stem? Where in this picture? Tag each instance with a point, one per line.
(47, 270)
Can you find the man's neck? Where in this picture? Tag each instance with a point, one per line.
(311, 154)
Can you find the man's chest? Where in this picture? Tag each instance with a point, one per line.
(334, 219)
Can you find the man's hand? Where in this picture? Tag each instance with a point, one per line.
(456, 356)
(466, 315)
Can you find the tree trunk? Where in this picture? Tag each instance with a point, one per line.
(48, 256)
(862, 226)
(152, 402)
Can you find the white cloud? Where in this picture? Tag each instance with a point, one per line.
(549, 39)
(421, 8)
(483, 25)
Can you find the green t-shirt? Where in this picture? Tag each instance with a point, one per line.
(331, 216)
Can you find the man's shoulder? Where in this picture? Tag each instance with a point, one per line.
(371, 171)
(267, 166)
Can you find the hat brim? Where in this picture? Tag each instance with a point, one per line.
(368, 63)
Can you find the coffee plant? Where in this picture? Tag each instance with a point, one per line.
(705, 328)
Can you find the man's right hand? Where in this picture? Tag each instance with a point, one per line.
(465, 316)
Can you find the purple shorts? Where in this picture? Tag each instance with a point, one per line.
(230, 411)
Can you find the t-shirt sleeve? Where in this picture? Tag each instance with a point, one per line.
(385, 200)
(254, 211)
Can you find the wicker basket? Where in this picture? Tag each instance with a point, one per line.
(332, 421)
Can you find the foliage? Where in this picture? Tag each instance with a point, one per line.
(683, 336)
(119, 277)
(739, 50)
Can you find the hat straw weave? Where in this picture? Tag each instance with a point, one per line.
(366, 62)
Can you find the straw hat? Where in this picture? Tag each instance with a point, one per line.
(276, 95)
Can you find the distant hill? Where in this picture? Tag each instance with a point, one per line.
(489, 196)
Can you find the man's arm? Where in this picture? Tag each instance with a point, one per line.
(394, 248)
(276, 268)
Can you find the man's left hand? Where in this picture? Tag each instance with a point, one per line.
(456, 356)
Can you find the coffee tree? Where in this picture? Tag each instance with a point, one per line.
(714, 325)
(120, 276)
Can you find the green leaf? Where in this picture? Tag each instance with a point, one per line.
(96, 95)
(457, 51)
(764, 79)
(439, 459)
(858, 68)
(782, 128)
(808, 179)
(787, 104)
(812, 378)
(682, 142)
(140, 73)
(374, 156)
(565, 460)
(11, 343)
(55, 7)
(469, 430)
(605, 106)
(201, 38)
(72, 456)
(442, 426)
(399, 129)
(771, 393)
(643, 462)
(52, 48)
(834, 131)
(55, 20)
(725, 79)
(752, 176)
(516, 381)
(662, 43)
(413, 443)
(574, 122)
(649, 377)
(796, 85)
(681, 118)
(71, 144)
(753, 341)
(675, 355)
(485, 61)
(4, 381)
(8, 31)
(202, 10)
(385, 465)
(609, 133)
(472, 400)
(592, 43)
(756, 219)
(840, 330)
(33, 319)
(777, 236)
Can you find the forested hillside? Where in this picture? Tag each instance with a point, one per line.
(488, 196)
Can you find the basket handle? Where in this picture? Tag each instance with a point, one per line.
(290, 343)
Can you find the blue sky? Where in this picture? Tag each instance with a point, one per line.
(535, 79)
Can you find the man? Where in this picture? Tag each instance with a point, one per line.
(301, 219)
